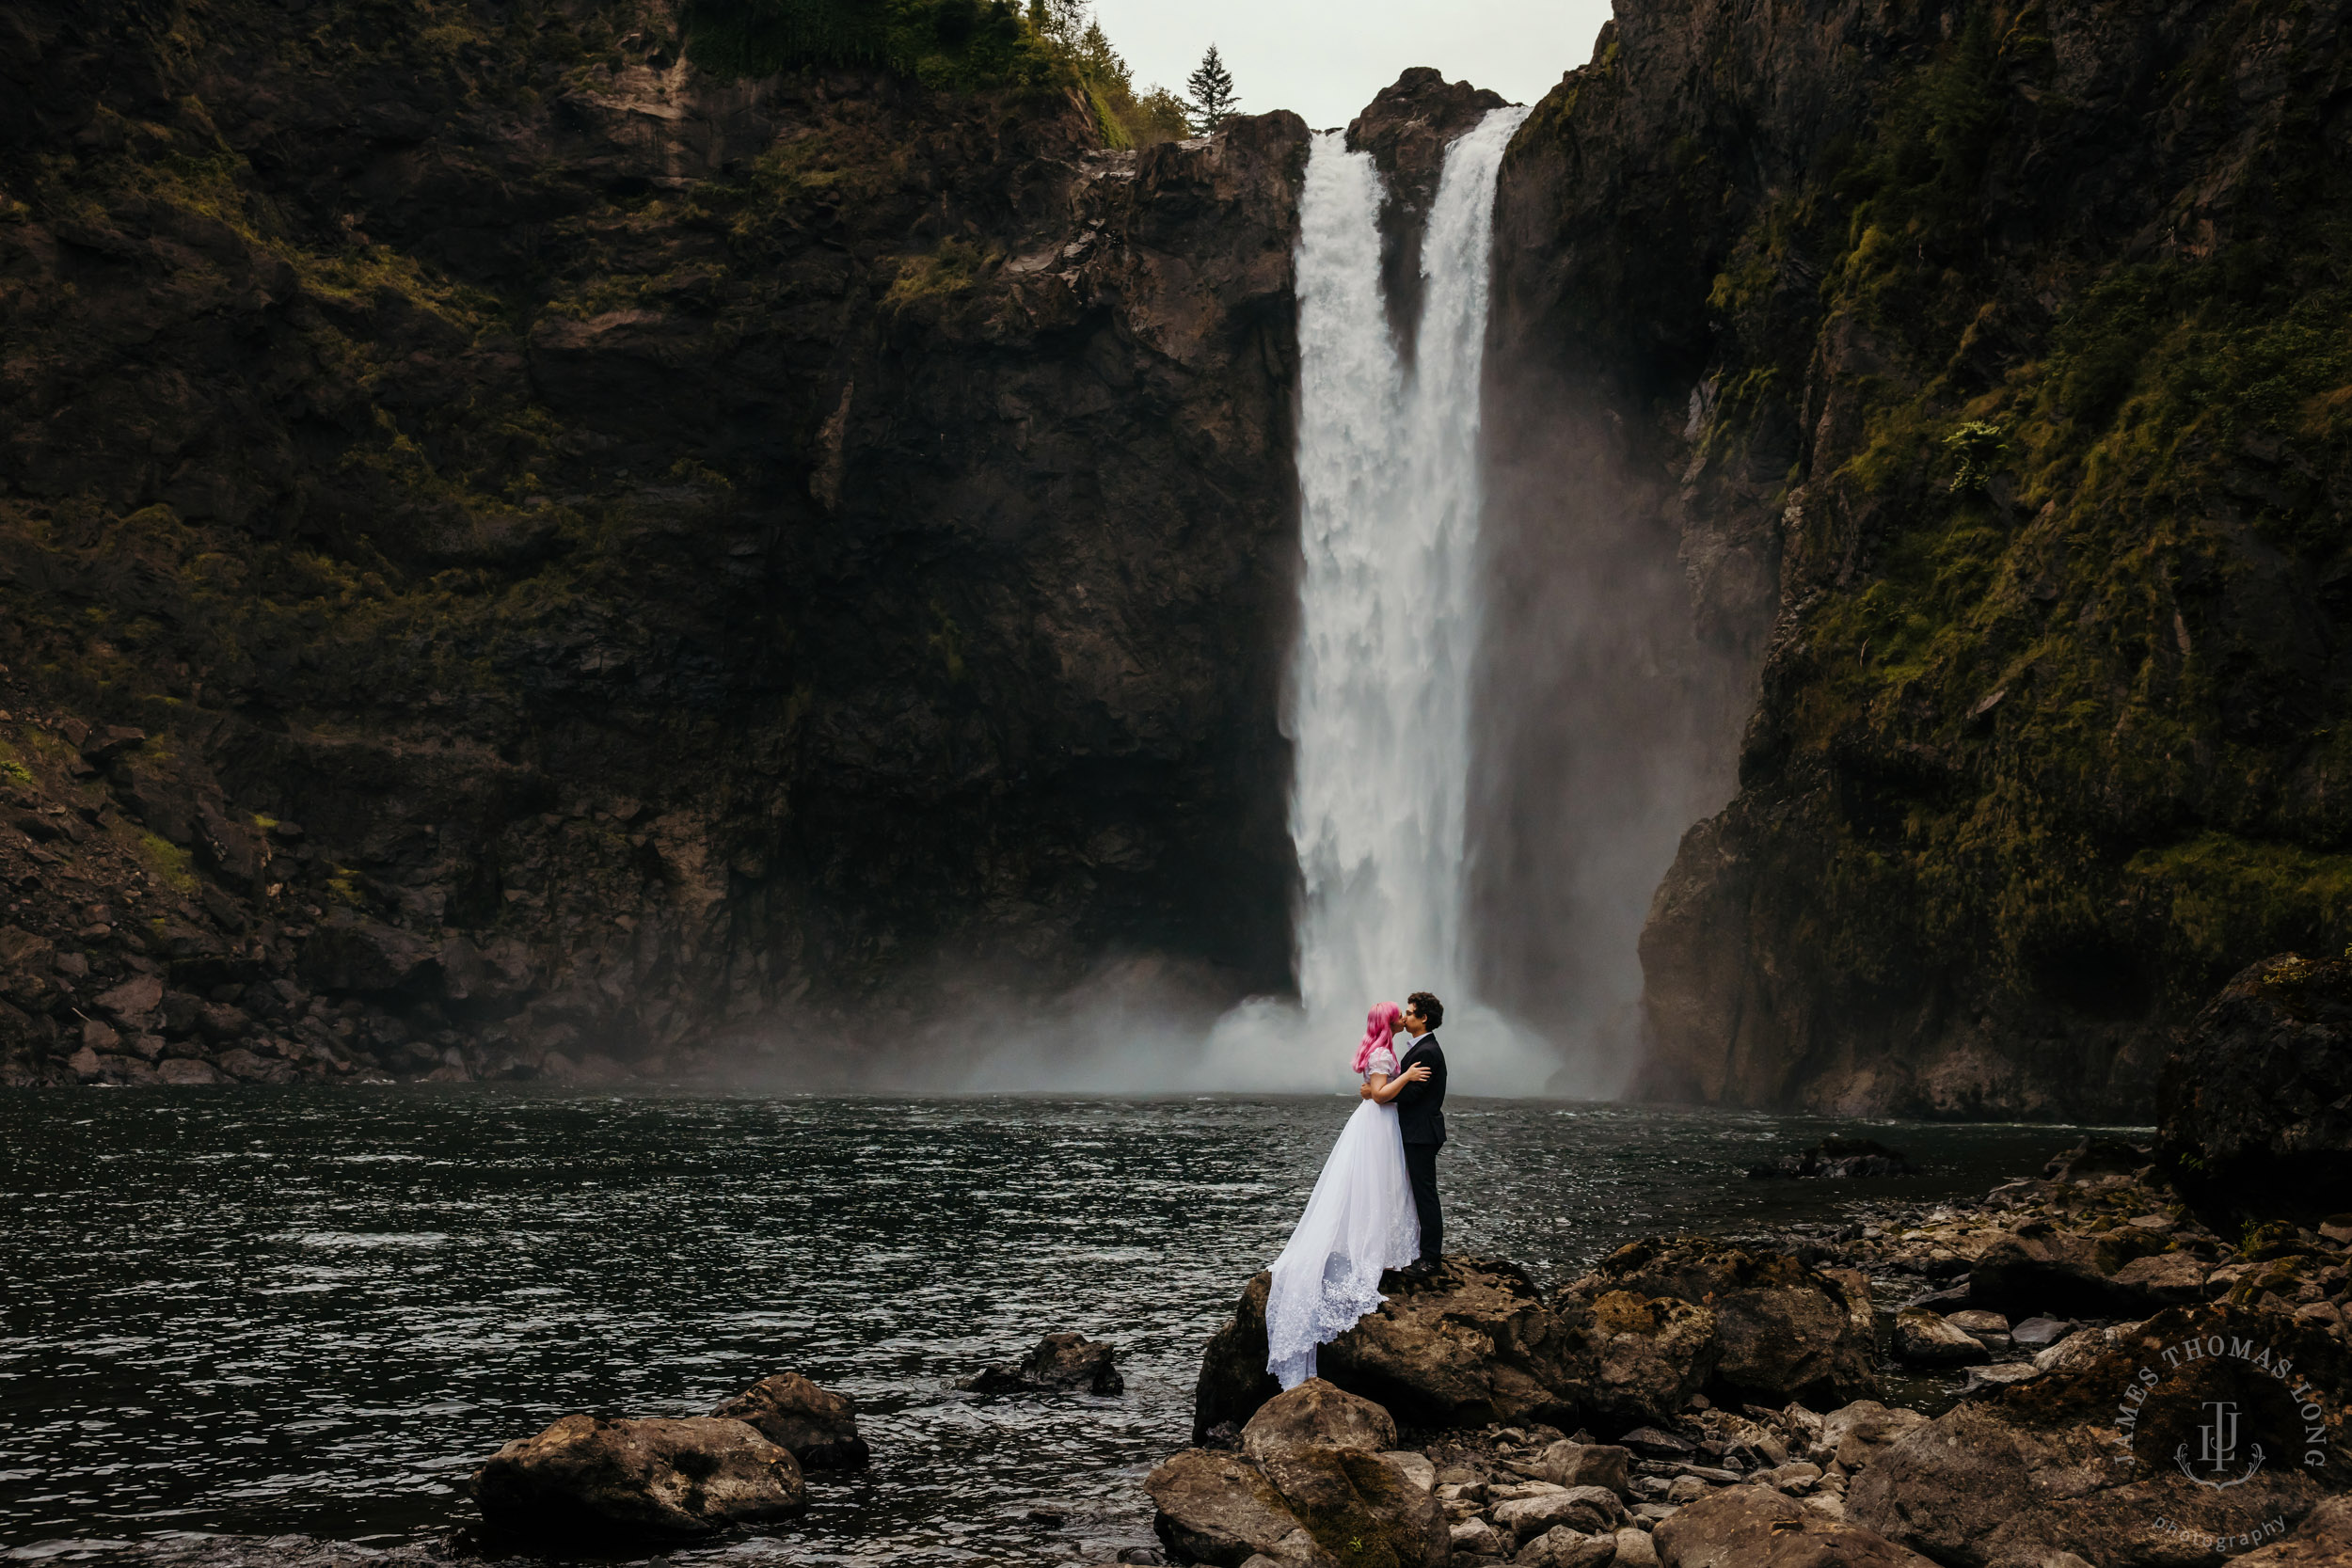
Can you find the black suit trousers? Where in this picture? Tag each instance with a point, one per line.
(1421, 1163)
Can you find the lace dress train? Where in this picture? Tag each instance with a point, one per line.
(1358, 1222)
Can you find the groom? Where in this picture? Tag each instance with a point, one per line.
(1421, 1117)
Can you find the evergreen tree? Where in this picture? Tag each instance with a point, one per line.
(1213, 101)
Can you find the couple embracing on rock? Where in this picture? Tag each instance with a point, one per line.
(1374, 1207)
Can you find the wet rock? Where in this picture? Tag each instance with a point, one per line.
(1572, 1463)
(187, 1072)
(2078, 1348)
(1406, 127)
(2254, 1110)
(1783, 1331)
(817, 1425)
(1407, 1357)
(1858, 1433)
(1221, 1509)
(1360, 1508)
(2008, 1479)
(2042, 1268)
(2158, 1280)
(1922, 1339)
(1564, 1547)
(1984, 1380)
(1754, 1527)
(1317, 1413)
(251, 1068)
(1582, 1508)
(1062, 1362)
(1649, 1354)
(2035, 1333)
(588, 1478)
(1983, 1325)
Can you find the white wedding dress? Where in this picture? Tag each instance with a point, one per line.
(1359, 1221)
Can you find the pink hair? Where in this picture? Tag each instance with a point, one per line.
(1379, 1026)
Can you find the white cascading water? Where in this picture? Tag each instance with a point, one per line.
(1389, 480)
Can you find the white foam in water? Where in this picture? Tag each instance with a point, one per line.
(1380, 700)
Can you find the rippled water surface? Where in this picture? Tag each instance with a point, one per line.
(315, 1311)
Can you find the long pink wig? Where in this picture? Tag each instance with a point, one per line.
(1379, 1026)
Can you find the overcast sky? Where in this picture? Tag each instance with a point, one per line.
(1327, 60)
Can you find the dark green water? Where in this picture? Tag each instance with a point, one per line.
(304, 1311)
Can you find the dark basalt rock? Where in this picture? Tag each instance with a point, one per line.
(2018, 1474)
(818, 1425)
(1783, 1330)
(815, 515)
(1407, 1357)
(1059, 1363)
(1743, 1525)
(1407, 129)
(1982, 881)
(1303, 1507)
(2254, 1110)
(589, 1478)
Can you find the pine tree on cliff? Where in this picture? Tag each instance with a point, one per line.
(1213, 101)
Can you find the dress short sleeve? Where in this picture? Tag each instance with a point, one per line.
(1382, 1061)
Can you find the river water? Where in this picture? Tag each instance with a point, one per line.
(313, 1311)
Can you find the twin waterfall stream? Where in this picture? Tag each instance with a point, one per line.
(1389, 478)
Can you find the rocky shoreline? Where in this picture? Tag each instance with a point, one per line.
(1948, 1382)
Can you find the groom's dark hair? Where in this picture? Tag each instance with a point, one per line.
(1428, 1006)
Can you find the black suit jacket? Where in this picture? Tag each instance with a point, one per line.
(1420, 1108)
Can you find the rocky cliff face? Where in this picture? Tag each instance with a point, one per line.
(1988, 361)
(517, 552)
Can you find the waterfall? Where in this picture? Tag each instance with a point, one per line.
(1389, 480)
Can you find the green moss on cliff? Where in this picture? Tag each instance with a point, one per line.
(2063, 685)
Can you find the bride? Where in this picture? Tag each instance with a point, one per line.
(1358, 1221)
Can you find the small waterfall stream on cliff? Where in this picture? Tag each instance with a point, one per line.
(1379, 703)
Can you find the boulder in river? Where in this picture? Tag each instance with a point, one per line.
(1410, 1357)
(593, 1478)
(1756, 1527)
(2039, 1268)
(2254, 1110)
(1783, 1330)
(1317, 1413)
(817, 1424)
(1309, 1505)
(1058, 1363)
(2022, 1473)
(1924, 1339)
(1649, 1354)
(1571, 1464)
